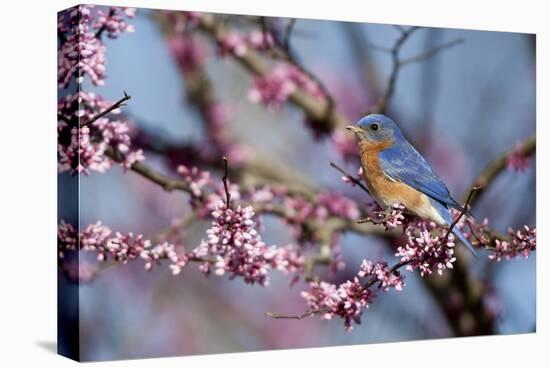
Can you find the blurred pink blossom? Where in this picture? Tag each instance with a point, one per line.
(260, 40)
(187, 51)
(517, 161)
(232, 43)
(274, 88)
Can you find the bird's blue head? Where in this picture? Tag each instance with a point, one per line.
(376, 129)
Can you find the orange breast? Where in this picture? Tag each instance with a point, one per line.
(387, 191)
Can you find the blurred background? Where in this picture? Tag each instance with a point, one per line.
(462, 108)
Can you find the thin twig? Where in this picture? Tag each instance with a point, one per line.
(383, 102)
(499, 164)
(462, 212)
(399, 28)
(166, 182)
(314, 108)
(432, 52)
(393, 269)
(288, 31)
(289, 55)
(114, 106)
(296, 317)
(367, 285)
(224, 179)
(349, 177)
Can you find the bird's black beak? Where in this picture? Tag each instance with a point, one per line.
(353, 129)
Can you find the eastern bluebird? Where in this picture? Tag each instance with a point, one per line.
(395, 173)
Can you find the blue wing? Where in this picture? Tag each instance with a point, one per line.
(403, 163)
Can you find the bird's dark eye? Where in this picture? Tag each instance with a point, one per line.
(374, 126)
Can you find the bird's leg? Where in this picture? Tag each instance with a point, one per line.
(381, 216)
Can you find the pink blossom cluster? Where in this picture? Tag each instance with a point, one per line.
(390, 218)
(387, 278)
(81, 50)
(424, 250)
(349, 299)
(81, 149)
(299, 210)
(237, 248)
(517, 161)
(522, 243)
(274, 88)
(116, 246)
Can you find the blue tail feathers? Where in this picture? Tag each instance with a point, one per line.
(461, 237)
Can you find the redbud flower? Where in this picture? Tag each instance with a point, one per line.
(382, 273)
(81, 50)
(83, 149)
(239, 250)
(196, 179)
(349, 299)
(517, 161)
(522, 243)
(118, 247)
(424, 250)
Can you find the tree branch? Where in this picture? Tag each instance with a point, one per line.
(296, 317)
(114, 106)
(350, 177)
(251, 60)
(166, 182)
(367, 285)
(383, 102)
(432, 52)
(499, 164)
